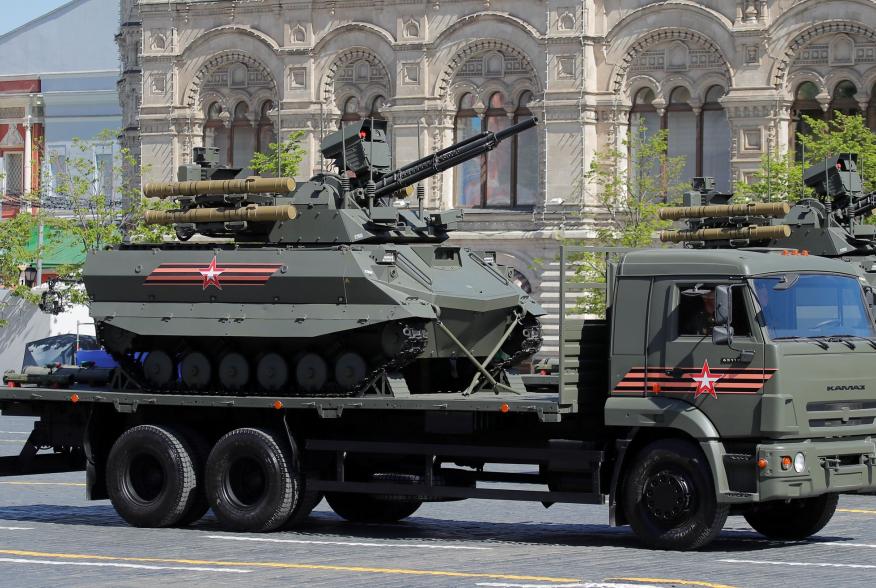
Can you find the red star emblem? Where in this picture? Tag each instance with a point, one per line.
(705, 382)
(211, 275)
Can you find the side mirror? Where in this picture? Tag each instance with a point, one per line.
(723, 306)
(869, 297)
(722, 335)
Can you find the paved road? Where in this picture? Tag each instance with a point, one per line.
(51, 536)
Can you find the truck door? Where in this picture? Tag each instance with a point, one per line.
(724, 381)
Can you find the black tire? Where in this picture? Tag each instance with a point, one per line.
(151, 478)
(364, 508)
(792, 520)
(669, 497)
(252, 480)
(302, 510)
(200, 450)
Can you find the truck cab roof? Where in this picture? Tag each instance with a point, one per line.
(737, 262)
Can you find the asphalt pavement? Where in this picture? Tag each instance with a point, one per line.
(51, 536)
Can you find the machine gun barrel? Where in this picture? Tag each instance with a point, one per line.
(771, 209)
(252, 213)
(859, 207)
(727, 233)
(250, 185)
(447, 158)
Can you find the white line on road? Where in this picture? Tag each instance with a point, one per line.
(347, 543)
(14, 432)
(120, 565)
(16, 528)
(800, 564)
(582, 585)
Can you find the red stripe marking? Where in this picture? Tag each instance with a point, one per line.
(222, 280)
(206, 263)
(241, 270)
(719, 384)
(198, 284)
(661, 376)
(697, 370)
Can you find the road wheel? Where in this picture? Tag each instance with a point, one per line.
(364, 508)
(253, 484)
(793, 519)
(151, 477)
(669, 497)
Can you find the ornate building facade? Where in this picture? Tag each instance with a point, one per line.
(729, 79)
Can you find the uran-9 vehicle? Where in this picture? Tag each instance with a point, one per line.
(829, 225)
(331, 287)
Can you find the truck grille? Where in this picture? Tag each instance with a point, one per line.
(841, 413)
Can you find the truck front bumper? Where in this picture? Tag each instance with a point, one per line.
(829, 466)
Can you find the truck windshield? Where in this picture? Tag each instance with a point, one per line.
(813, 305)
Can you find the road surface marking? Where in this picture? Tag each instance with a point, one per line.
(345, 543)
(857, 510)
(119, 565)
(582, 585)
(800, 564)
(673, 581)
(26, 483)
(15, 432)
(16, 528)
(16, 441)
(290, 566)
(841, 544)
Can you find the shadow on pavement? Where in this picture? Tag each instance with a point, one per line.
(327, 526)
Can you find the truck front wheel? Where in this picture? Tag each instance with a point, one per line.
(669, 497)
(793, 519)
(151, 477)
(364, 508)
(253, 481)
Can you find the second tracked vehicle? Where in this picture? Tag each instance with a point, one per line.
(333, 287)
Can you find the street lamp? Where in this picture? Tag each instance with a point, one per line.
(272, 112)
(30, 276)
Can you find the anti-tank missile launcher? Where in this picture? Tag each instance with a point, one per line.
(332, 286)
(829, 225)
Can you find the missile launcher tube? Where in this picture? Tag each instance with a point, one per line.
(250, 185)
(771, 209)
(730, 233)
(251, 213)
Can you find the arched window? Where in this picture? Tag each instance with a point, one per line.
(216, 131)
(714, 140)
(351, 110)
(243, 143)
(644, 120)
(804, 104)
(376, 105)
(265, 134)
(844, 99)
(507, 176)
(871, 110)
(681, 122)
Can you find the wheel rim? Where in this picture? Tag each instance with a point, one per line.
(196, 370)
(246, 482)
(145, 478)
(272, 372)
(234, 371)
(668, 498)
(158, 367)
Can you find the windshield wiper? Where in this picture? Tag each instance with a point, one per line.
(872, 342)
(815, 340)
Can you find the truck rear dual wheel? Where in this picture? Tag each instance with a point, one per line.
(365, 508)
(669, 497)
(153, 478)
(254, 482)
(794, 519)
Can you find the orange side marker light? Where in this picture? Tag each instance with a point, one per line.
(762, 463)
(74, 398)
(278, 405)
(655, 388)
(504, 407)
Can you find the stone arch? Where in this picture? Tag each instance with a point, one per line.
(662, 36)
(446, 78)
(348, 56)
(782, 66)
(239, 29)
(708, 81)
(380, 32)
(832, 79)
(480, 17)
(677, 81)
(221, 59)
(638, 82)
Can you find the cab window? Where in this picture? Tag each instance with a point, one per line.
(696, 311)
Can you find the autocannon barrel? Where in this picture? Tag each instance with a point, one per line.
(773, 209)
(250, 185)
(447, 158)
(727, 233)
(251, 213)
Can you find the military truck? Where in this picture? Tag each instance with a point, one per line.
(832, 224)
(720, 382)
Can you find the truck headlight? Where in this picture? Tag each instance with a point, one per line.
(799, 463)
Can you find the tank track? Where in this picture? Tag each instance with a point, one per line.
(528, 343)
(413, 344)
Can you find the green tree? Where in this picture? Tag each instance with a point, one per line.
(291, 155)
(632, 184)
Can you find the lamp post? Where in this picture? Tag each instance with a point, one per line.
(30, 276)
(271, 112)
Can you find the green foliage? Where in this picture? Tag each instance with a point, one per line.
(632, 184)
(291, 155)
(781, 177)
